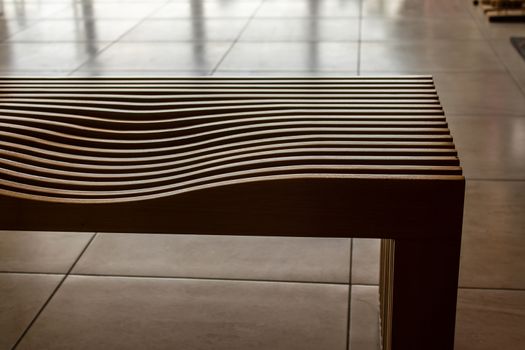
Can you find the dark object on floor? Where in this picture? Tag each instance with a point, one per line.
(503, 10)
(508, 16)
(368, 157)
(519, 44)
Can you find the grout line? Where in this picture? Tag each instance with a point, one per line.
(31, 273)
(53, 293)
(207, 278)
(32, 21)
(117, 40)
(241, 32)
(509, 72)
(349, 309)
(359, 36)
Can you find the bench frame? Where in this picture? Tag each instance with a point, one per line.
(418, 217)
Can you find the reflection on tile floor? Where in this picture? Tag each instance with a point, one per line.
(431, 56)
(223, 257)
(490, 148)
(303, 301)
(191, 314)
(364, 323)
(21, 296)
(493, 235)
(291, 56)
(44, 252)
(493, 94)
(195, 56)
(490, 319)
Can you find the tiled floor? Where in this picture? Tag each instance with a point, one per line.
(121, 291)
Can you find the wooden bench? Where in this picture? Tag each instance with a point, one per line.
(365, 157)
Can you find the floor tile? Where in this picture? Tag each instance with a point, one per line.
(415, 8)
(34, 73)
(107, 10)
(313, 56)
(159, 56)
(85, 72)
(285, 73)
(38, 57)
(308, 8)
(182, 314)
(490, 94)
(364, 319)
(10, 27)
(490, 147)
(500, 30)
(260, 258)
(208, 9)
(434, 56)
(187, 30)
(74, 30)
(419, 29)
(490, 319)
(22, 10)
(365, 260)
(493, 244)
(510, 57)
(294, 29)
(21, 297)
(49, 252)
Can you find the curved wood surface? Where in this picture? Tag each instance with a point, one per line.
(335, 157)
(111, 140)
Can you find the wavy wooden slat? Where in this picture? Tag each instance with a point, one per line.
(214, 98)
(232, 171)
(227, 77)
(215, 80)
(218, 82)
(157, 122)
(213, 104)
(295, 157)
(34, 155)
(257, 137)
(189, 87)
(223, 91)
(209, 112)
(181, 164)
(98, 101)
(69, 131)
(73, 128)
(139, 145)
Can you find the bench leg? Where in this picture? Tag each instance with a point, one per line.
(419, 282)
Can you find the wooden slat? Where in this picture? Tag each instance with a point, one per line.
(63, 136)
(212, 98)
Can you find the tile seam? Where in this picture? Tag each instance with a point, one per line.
(55, 290)
(117, 40)
(241, 32)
